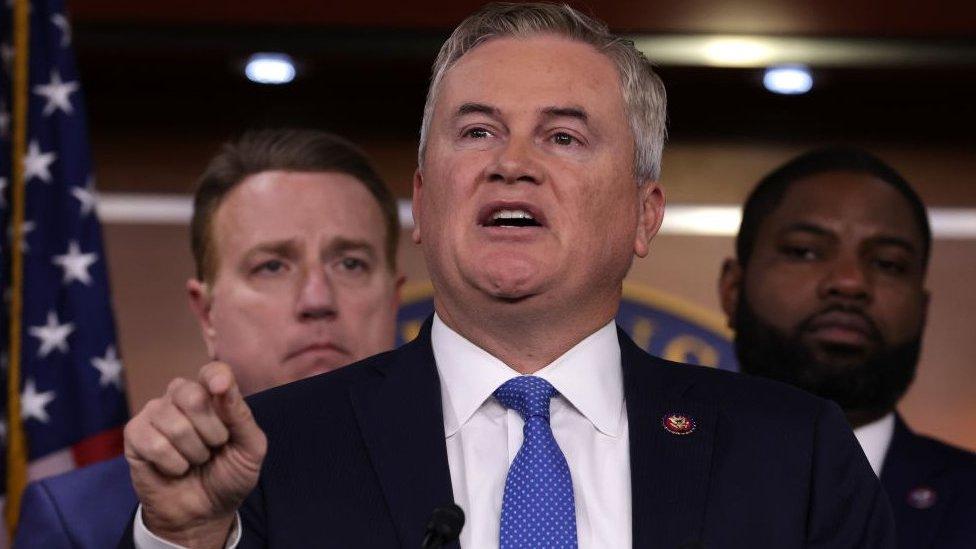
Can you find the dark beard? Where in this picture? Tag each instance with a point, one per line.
(865, 386)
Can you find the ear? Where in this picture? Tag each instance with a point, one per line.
(398, 290)
(418, 187)
(201, 300)
(729, 288)
(650, 197)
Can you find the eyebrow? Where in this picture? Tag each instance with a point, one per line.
(883, 240)
(276, 247)
(342, 244)
(549, 112)
(566, 112)
(286, 248)
(895, 241)
(476, 108)
(806, 227)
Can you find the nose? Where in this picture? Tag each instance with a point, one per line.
(515, 163)
(846, 279)
(316, 296)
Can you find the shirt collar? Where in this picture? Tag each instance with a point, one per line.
(588, 376)
(875, 438)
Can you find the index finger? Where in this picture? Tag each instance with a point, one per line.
(217, 377)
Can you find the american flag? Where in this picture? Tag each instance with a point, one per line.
(72, 398)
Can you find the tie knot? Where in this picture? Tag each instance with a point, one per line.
(527, 395)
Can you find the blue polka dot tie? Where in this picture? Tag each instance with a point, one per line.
(538, 509)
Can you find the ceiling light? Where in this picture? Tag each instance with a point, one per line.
(270, 68)
(736, 52)
(788, 79)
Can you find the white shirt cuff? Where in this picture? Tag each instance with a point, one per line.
(144, 539)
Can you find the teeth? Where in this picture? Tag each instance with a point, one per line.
(511, 214)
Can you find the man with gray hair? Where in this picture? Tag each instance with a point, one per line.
(520, 400)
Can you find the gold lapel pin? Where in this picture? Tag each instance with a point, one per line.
(678, 424)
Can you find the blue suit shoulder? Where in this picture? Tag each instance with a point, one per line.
(88, 507)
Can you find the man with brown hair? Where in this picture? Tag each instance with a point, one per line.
(294, 236)
(520, 400)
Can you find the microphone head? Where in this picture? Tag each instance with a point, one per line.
(445, 524)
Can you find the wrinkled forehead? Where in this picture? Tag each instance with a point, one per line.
(526, 72)
(309, 206)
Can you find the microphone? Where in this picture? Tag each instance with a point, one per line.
(443, 527)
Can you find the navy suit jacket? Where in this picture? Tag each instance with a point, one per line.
(357, 458)
(88, 508)
(916, 465)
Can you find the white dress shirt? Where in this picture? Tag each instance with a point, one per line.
(875, 438)
(588, 419)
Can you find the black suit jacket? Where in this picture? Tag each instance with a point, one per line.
(357, 458)
(915, 466)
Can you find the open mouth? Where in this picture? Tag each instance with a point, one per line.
(512, 218)
(510, 215)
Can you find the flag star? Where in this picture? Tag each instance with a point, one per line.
(57, 94)
(110, 368)
(37, 163)
(61, 22)
(75, 264)
(4, 122)
(52, 335)
(34, 404)
(86, 195)
(7, 54)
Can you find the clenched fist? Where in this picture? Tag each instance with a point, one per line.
(194, 455)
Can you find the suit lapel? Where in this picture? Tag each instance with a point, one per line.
(909, 467)
(402, 424)
(669, 472)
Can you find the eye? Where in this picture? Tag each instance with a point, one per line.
(800, 253)
(476, 133)
(891, 266)
(353, 264)
(272, 266)
(564, 139)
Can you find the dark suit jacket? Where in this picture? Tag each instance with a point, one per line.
(914, 465)
(357, 458)
(84, 509)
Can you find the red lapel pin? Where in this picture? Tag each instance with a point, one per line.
(678, 424)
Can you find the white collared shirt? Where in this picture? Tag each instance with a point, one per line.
(875, 438)
(588, 419)
(589, 422)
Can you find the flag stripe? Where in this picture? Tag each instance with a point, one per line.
(98, 447)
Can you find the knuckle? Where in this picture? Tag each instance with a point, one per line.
(175, 384)
(157, 447)
(218, 436)
(192, 397)
(177, 429)
(151, 407)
